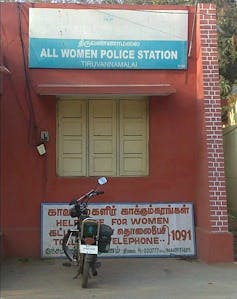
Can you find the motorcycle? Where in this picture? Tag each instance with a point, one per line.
(88, 238)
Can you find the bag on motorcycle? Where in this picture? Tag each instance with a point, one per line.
(105, 237)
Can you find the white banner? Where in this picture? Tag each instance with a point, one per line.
(140, 230)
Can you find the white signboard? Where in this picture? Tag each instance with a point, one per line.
(108, 39)
(140, 230)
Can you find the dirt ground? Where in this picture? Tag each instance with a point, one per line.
(138, 278)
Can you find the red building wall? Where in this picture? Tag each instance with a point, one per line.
(185, 144)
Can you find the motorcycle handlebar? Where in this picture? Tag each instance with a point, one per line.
(87, 196)
(99, 192)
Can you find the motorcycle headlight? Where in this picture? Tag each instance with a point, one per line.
(73, 212)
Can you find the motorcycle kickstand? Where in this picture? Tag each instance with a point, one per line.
(78, 273)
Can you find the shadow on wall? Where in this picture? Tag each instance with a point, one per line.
(230, 149)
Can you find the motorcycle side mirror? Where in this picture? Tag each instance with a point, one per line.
(102, 180)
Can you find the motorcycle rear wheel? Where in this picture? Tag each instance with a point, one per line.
(85, 272)
(70, 246)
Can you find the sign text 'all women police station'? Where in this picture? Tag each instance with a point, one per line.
(109, 54)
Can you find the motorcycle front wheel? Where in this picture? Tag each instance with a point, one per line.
(70, 246)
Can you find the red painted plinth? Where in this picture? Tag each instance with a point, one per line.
(214, 247)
